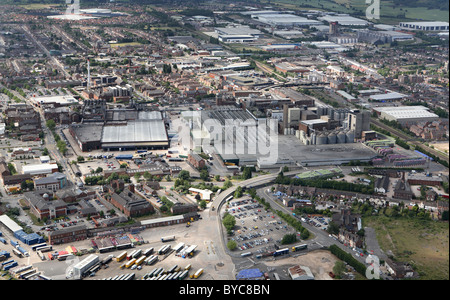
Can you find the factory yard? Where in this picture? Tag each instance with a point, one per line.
(320, 262)
(207, 255)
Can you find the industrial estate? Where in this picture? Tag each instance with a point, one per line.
(223, 140)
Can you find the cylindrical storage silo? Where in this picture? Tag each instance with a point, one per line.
(320, 111)
(330, 112)
(332, 138)
(340, 139)
(313, 138)
(350, 136)
(321, 139)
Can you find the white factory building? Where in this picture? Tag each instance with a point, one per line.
(406, 115)
(285, 20)
(425, 26)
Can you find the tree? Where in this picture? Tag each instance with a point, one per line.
(333, 228)
(231, 245)
(227, 184)
(202, 204)
(238, 193)
(167, 69)
(289, 239)
(339, 268)
(204, 175)
(229, 222)
(247, 173)
(184, 175)
(51, 124)
(80, 159)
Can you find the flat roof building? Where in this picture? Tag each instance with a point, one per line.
(425, 26)
(387, 97)
(39, 169)
(285, 20)
(57, 100)
(406, 115)
(150, 134)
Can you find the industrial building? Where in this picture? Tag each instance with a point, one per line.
(425, 26)
(237, 34)
(87, 136)
(388, 97)
(285, 20)
(119, 129)
(17, 231)
(282, 47)
(40, 169)
(406, 115)
(359, 121)
(385, 36)
(300, 273)
(141, 134)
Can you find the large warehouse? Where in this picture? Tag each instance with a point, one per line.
(139, 134)
(286, 20)
(426, 26)
(406, 115)
(124, 130)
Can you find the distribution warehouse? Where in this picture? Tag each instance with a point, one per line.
(123, 129)
(407, 115)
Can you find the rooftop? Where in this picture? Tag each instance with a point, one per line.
(135, 131)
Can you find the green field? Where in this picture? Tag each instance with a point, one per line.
(38, 6)
(423, 243)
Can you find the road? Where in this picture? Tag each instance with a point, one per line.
(56, 62)
(50, 142)
(321, 237)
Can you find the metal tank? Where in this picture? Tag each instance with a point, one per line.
(350, 136)
(321, 139)
(332, 137)
(313, 138)
(341, 137)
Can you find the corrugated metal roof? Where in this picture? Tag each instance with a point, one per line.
(9, 223)
(135, 131)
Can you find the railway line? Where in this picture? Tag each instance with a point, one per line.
(409, 139)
